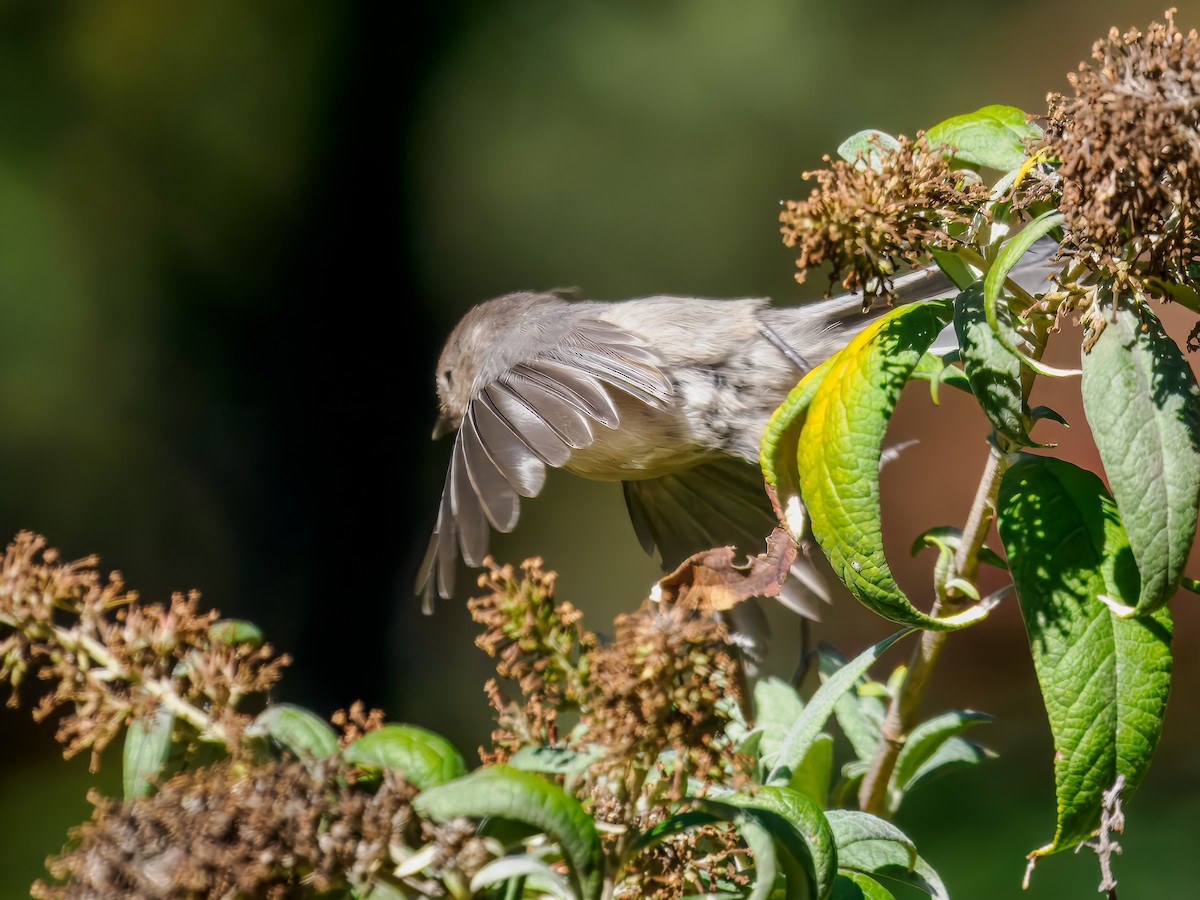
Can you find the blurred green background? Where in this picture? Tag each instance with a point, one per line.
(233, 237)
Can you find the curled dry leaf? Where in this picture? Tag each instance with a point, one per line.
(712, 579)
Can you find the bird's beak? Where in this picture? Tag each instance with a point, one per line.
(444, 426)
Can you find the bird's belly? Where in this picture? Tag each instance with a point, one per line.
(648, 443)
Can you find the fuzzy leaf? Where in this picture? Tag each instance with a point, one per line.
(1104, 679)
(1142, 402)
(868, 844)
(923, 744)
(799, 825)
(994, 136)
(803, 732)
(147, 749)
(993, 370)
(836, 418)
(532, 800)
(424, 759)
(857, 886)
(304, 733)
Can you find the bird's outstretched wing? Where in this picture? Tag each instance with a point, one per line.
(531, 416)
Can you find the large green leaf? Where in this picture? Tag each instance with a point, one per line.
(1104, 679)
(424, 758)
(993, 136)
(780, 445)
(1142, 402)
(836, 419)
(530, 799)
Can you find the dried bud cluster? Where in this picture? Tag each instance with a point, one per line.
(665, 683)
(872, 221)
(281, 829)
(537, 643)
(356, 721)
(1129, 145)
(688, 865)
(661, 685)
(113, 659)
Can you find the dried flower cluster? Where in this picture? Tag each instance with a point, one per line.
(280, 829)
(688, 865)
(662, 689)
(1129, 145)
(663, 684)
(112, 659)
(356, 721)
(871, 221)
(538, 644)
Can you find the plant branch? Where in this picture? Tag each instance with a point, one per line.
(873, 795)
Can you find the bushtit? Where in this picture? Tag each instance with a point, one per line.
(667, 395)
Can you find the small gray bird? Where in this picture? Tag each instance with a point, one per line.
(668, 395)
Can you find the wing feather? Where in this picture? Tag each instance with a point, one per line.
(531, 416)
(491, 485)
(584, 392)
(523, 468)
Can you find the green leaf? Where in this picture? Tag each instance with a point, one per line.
(424, 758)
(952, 754)
(994, 282)
(857, 886)
(952, 264)
(1183, 294)
(948, 538)
(571, 764)
(923, 743)
(864, 148)
(766, 861)
(815, 773)
(1142, 402)
(1104, 679)
(804, 730)
(799, 825)
(860, 717)
(780, 445)
(994, 136)
(147, 749)
(534, 872)
(680, 822)
(298, 730)
(993, 370)
(868, 844)
(836, 419)
(530, 799)
(937, 371)
(236, 631)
